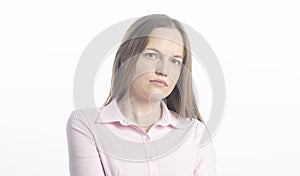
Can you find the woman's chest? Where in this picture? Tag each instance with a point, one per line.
(178, 161)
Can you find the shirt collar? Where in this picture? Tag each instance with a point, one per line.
(111, 113)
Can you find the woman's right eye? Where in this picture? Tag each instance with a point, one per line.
(151, 55)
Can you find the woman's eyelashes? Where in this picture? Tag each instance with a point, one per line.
(176, 61)
(152, 55)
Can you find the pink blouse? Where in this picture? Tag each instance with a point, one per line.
(103, 142)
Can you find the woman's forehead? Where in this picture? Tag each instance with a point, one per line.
(171, 34)
(165, 46)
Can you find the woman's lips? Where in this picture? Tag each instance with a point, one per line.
(159, 82)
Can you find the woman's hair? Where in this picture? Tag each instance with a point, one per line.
(182, 99)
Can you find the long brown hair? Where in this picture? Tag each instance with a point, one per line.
(182, 99)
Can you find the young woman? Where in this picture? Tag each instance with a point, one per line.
(151, 96)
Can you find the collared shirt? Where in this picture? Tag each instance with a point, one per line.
(103, 142)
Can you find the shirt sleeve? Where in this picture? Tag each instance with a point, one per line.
(205, 158)
(84, 158)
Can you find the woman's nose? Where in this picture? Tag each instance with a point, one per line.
(162, 69)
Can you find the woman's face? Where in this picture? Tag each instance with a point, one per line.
(158, 66)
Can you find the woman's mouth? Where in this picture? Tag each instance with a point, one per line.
(159, 82)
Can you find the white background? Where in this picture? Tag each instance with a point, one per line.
(257, 43)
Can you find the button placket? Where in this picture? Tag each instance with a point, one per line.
(146, 138)
(152, 166)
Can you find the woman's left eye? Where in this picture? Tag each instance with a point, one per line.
(151, 55)
(175, 61)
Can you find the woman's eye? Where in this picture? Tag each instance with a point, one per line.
(175, 61)
(151, 55)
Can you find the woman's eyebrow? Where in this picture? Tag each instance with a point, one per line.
(156, 50)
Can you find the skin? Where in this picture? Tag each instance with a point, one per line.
(161, 59)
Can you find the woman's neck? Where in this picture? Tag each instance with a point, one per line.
(142, 111)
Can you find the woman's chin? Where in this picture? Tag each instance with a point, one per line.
(156, 96)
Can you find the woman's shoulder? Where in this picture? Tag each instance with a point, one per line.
(202, 134)
(199, 125)
(85, 116)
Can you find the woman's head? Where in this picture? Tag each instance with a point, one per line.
(154, 61)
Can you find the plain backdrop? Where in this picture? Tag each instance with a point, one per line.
(256, 42)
